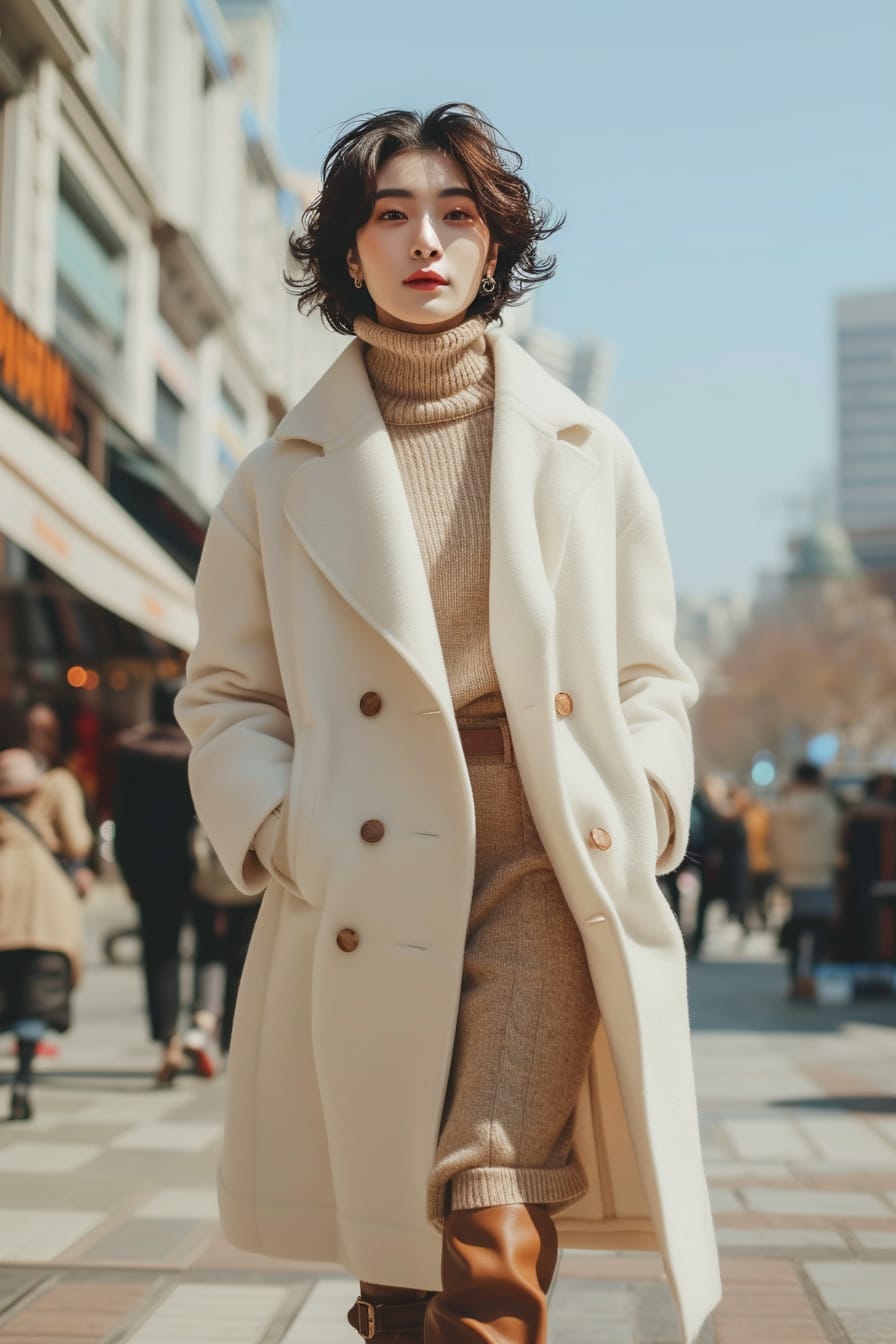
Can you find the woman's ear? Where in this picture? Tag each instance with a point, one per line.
(353, 262)
(492, 259)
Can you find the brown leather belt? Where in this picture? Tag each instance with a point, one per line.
(482, 741)
(371, 1319)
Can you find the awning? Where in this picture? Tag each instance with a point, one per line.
(55, 509)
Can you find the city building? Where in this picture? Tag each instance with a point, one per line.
(147, 342)
(584, 365)
(866, 376)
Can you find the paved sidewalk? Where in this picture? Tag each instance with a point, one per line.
(107, 1212)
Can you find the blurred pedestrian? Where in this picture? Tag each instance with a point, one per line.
(705, 850)
(805, 826)
(40, 925)
(58, 804)
(756, 817)
(154, 819)
(869, 860)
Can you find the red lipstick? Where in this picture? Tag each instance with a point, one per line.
(425, 280)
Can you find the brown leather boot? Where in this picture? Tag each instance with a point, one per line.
(497, 1266)
(389, 1315)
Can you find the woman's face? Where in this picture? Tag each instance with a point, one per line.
(425, 222)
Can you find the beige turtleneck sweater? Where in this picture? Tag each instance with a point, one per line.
(436, 394)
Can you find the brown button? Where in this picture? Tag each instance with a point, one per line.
(599, 838)
(563, 704)
(347, 940)
(371, 704)
(372, 831)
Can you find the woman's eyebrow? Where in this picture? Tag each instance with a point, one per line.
(406, 195)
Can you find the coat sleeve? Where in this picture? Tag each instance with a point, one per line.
(656, 688)
(233, 708)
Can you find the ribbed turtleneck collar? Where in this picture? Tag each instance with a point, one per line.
(423, 379)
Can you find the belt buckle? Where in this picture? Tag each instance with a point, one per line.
(366, 1318)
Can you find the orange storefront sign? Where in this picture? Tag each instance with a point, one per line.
(32, 374)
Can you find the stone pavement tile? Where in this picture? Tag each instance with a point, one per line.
(16, 1283)
(824, 1203)
(321, 1319)
(767, 1139)
(656, 1318)
(869, 1327)
(47, 1157)
(846, 1285)
(780, 1238)
(847, 1141)
(723, 1200)
(93, 1186)
(220, 1257)
(195, 1203)
(821, 1176)
(149, 1241)
(872, 1239)
(85, 1311)
(724, 1171)
(40, 1235)
(212, 1314)
(582, 1312)
(131, 1108)
(168, 1137)
(610, 1265)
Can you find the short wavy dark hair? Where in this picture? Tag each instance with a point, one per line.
(346, 200)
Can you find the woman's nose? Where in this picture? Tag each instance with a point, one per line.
(427, 242)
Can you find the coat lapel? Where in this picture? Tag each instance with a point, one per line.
(349, 510)
(537, 480)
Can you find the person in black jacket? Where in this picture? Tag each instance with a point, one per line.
(154, 818)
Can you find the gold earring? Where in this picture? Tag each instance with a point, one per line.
(359, 282)
(489, 284)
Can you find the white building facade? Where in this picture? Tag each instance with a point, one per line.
(147, 342)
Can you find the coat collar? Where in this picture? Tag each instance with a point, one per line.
(341, 407)
(349, 509)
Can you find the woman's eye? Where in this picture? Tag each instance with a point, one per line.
(392, 214)
(458, 214)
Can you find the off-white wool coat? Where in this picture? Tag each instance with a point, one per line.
(312, 592)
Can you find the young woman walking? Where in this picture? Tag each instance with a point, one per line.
(436, 709)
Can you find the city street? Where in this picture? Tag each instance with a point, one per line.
(107, 1209)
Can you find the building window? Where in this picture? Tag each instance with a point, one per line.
(170, 419)
(110, 60)
(91, 283)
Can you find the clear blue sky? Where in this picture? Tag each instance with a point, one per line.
(726, 170)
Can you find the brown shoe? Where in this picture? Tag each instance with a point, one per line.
(389, 1315)
(497, 1266)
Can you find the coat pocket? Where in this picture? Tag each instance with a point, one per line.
(293, 857)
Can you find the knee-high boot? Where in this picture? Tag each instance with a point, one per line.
(497, 1266)
(389, 1315)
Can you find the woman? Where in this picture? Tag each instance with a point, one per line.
(40, 926)
(805, 834)
(154, 820)
(436, 708)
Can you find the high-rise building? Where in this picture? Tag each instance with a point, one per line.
(866, 373)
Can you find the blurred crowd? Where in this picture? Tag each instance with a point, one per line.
(817, 868)
(48, 862)
(817, 871)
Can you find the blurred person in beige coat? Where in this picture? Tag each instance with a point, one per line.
(329, 766)
(40, 925)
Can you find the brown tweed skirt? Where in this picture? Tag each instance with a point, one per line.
(526, 1021)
